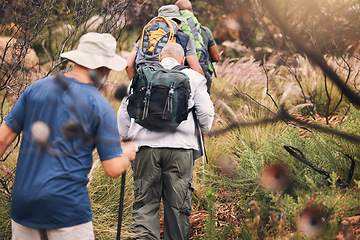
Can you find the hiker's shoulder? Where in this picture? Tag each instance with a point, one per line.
(205, 29)
(193, 75)
(180, 33)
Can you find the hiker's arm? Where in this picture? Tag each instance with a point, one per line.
(123, 119)
(194, 64)
(204, 107)
(191, 58)
(214, 53)
(211, 46)
(7, 136)
(114, 167)
(130, 67)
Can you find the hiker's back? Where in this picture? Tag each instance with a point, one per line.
(193, 28)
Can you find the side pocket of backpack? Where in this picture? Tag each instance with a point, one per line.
(137, 93)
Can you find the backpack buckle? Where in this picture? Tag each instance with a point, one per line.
(172, 89)
(168, 105)
(147, 100)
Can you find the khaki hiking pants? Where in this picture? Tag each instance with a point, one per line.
(162, 173)
(78, 232)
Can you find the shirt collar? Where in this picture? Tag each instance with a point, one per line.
(169, 62)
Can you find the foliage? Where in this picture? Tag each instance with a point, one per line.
(5, 221)
(210, 221)
(245, 151)
(141, 11)
(330, 26)
(351, 125)
(250, 149)
(49, 28)
(105, 195)
(34, 33)
(338, 203)
(297, 86)
(7, 174)
(245, 90)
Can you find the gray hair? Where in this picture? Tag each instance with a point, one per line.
(172, 49)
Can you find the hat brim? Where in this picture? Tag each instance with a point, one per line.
(181, 19)
(93, 61)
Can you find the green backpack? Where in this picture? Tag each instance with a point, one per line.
(158, 98)
(192, 28)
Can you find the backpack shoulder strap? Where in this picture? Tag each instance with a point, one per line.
(147, 64)
(182, 39)
(180, 67)
(155, 65)
(171, 23)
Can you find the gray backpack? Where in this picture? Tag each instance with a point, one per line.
(155, 35)
(158, 98)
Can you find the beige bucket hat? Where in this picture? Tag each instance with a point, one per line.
(172, 12)
(96, 50)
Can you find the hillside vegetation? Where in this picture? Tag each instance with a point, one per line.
(282, 159)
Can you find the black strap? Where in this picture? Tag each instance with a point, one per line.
(181, 67)
(168, 104)
(301, 157)
(147, 100)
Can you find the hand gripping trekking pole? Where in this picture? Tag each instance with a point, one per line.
(121, 204)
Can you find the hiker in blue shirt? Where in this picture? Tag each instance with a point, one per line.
(62, 119)
(164, 163)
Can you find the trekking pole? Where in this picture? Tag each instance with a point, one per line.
(206, 158)
(200, 138)
(121, 204)
(214, 69)
(203, 150)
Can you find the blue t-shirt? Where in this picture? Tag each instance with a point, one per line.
(50, 183)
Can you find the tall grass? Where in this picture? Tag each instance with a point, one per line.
(105, 196)
(300, 89)
(6, 167)
(246, 91)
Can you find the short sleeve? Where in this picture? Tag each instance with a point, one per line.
(136, 47)
(15, 119)
(190, 48)
(107, 138)
(209, 36)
